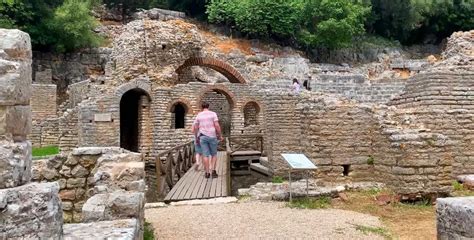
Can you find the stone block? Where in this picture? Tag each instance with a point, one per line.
(15, 83)
(32, 211)
(15, 163)
(116, 205)
(76, 182)
(126, 229)
(455, 218)
(16, 44)
(79, 171)
(15, 121)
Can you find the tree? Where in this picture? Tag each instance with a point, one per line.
(74, 26)
(396, 19)
(258, 18)
(332, 23)
(194, 8)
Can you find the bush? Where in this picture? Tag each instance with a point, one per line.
(278, 19)
(313, 23)
(277, 179)
(74, 25)
(332, 23)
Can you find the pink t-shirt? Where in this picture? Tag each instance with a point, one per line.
(205, 121)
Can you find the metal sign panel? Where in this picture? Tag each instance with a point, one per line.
(298, 161)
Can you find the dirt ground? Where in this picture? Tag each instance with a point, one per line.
(404, 221)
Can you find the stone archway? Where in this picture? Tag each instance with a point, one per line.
(134, 115)
(221, 101)
(225, 69)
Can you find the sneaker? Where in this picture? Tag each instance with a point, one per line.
(196, 167)
(207, 175)
(214, 174)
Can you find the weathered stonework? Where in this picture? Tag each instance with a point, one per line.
(126, 229)
(27, 210)
(89, 171)
(455, 218)
(32, 211)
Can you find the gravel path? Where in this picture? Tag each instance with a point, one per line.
(257, 220)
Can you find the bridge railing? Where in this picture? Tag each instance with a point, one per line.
(244, 143)
(171, 165)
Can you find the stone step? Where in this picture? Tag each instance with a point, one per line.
(261, 169)
(264, 161)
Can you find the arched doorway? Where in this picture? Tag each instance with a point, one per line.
(134, 112)
(222, 105)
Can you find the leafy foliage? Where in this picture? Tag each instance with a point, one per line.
(326, 23)
(73, 21)
(52, 24)
(195, 8)
(333, 23)
(411, 21)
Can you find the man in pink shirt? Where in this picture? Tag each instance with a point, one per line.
(207, 131)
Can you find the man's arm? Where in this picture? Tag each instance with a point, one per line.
(218, 130)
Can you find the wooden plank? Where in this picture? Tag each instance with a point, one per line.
(221, 175)
(193, 185)
(246, 153)
(207, 189)
(177, 187)
(186, 184)
(202, 187)
(212, 192)
(199, 183)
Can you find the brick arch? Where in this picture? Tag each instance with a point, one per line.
(187, 105)
(219, 89)
(225, 69)
(143, 85)
(256, 102)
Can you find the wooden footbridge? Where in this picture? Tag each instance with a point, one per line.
(178, 180)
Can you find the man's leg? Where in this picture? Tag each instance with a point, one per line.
(206, 155)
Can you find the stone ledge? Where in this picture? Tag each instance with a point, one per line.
(15, 163)
(31, 211)
(127, 229)
(455, 218)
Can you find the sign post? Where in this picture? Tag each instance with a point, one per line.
(298, 162)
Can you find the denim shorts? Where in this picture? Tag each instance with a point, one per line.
(197, 148)
(209, 146)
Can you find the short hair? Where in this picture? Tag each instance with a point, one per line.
(295, 81)
(204, 105)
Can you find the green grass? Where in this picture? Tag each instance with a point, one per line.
(310, 203)
(277, 179)
(45, 151)
(375, 230)
(420, 204)
(457, 186)
(148, 233)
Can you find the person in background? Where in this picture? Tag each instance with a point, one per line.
(197, 148)
(208, 130)
(307, 83)
(296, 87)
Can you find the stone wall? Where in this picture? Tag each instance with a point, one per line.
(66, 69)
(89, 171)
(43, 105)
(27, 210)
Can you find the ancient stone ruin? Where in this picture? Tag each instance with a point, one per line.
(407, 124)
(412, 134)
(101, 187)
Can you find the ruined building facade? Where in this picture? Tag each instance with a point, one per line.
(414, 134)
